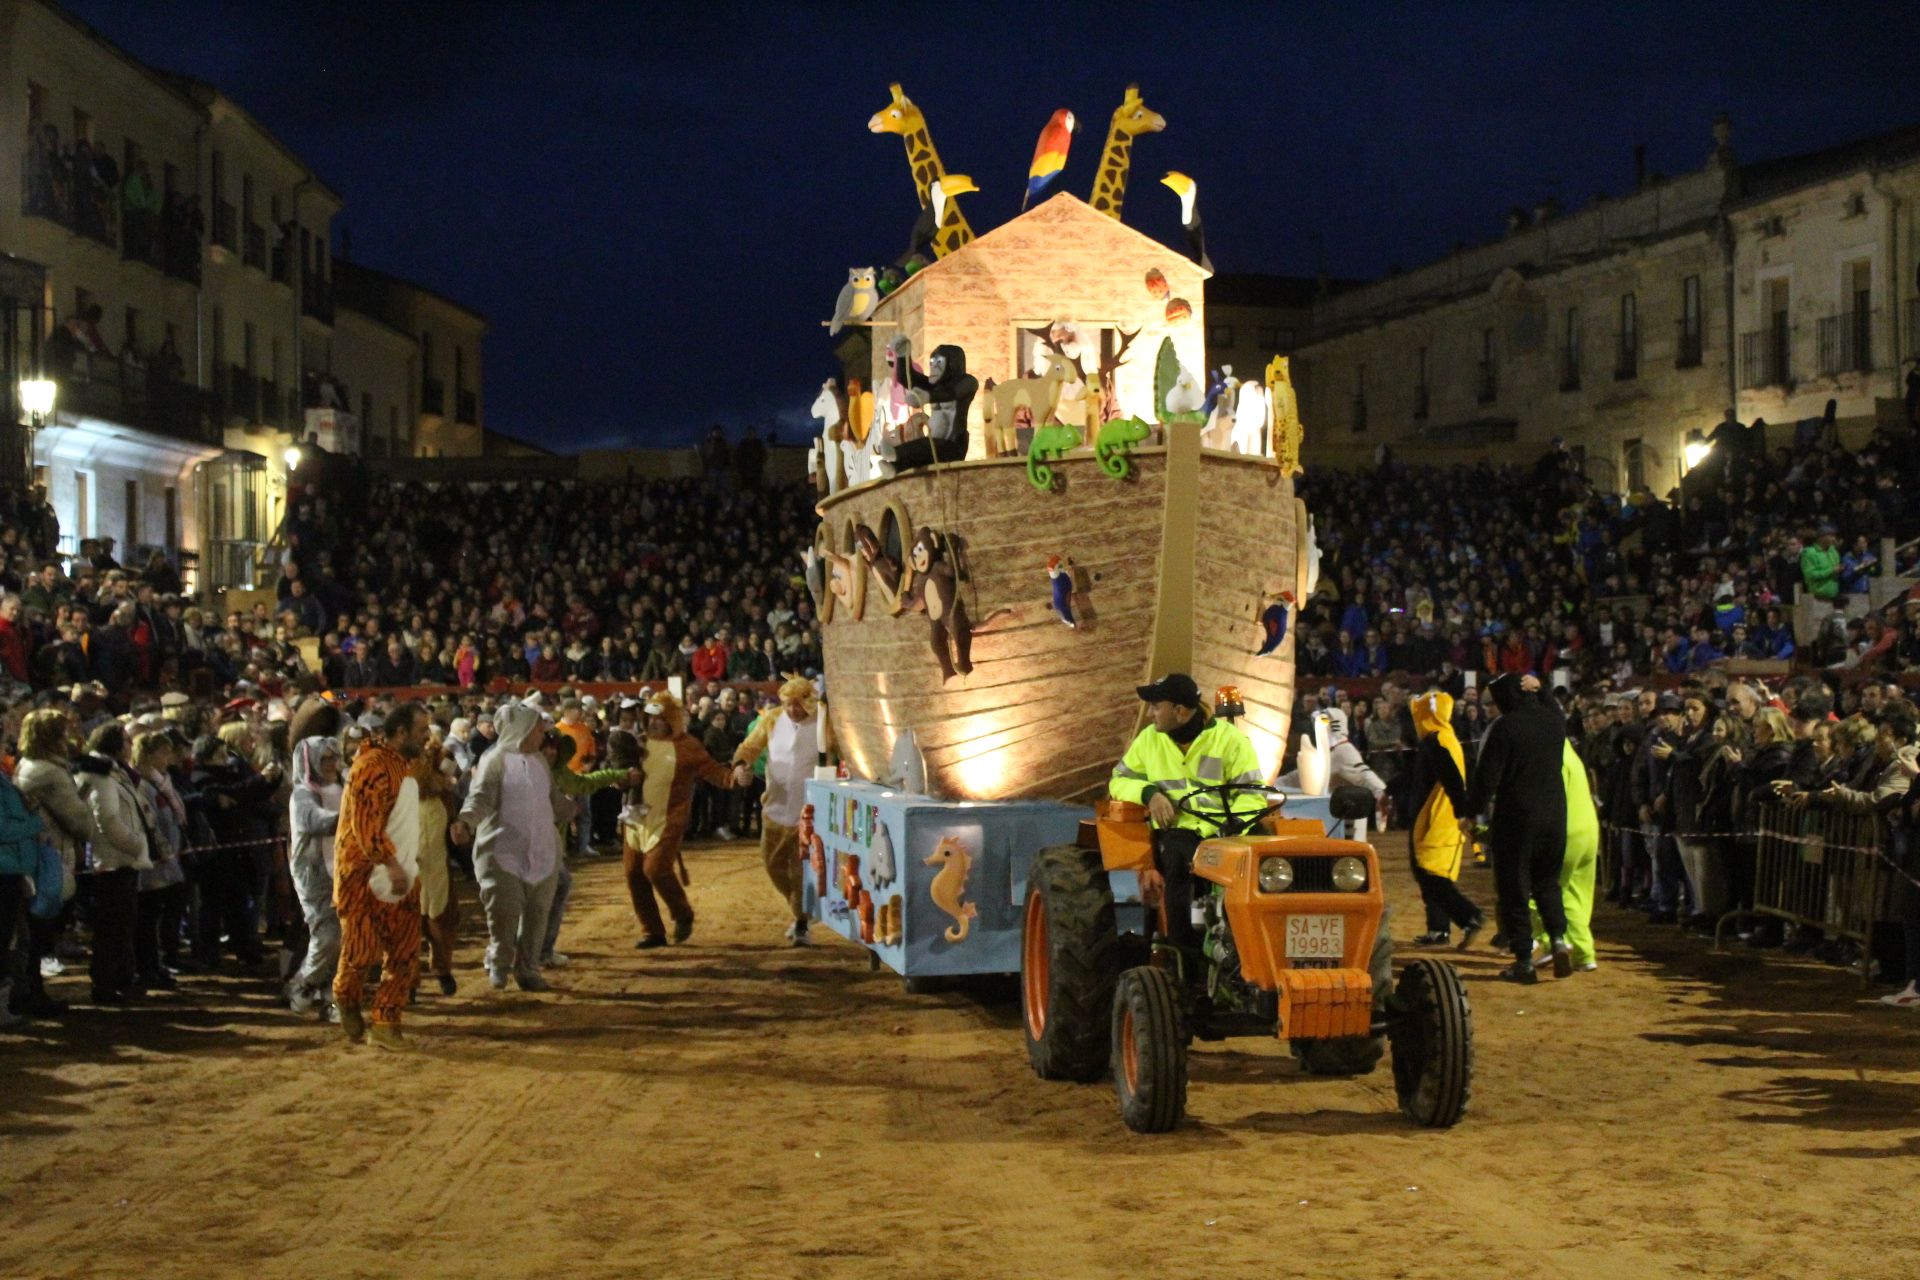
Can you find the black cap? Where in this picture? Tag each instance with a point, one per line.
(1669, 702)
(1175, 687)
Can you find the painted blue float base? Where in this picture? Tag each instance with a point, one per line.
(957, 871)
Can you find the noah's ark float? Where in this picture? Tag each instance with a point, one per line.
(986, 618)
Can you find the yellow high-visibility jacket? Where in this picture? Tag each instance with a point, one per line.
(1221, 753)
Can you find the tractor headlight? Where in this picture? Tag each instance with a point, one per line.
(1350, 875)
(1276, 875)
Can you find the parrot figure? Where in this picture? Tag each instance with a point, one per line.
(1061, 573)
(1274, 619)
(1049, 154)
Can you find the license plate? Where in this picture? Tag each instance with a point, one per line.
(1316, 937)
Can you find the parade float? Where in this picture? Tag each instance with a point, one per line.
(1032, 504)
(1122, 512)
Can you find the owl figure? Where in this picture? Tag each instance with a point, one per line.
(858, 297)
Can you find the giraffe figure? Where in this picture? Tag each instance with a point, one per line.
(903, 118)
(1130, 119)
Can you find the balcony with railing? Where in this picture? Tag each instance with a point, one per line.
(1766, 357)
(1846, 343)
(1488, 384)
(1569, 368)
(255, 252)
(467, 408)
(142, 395)
(1626, 356)
(75, 186)
(316, 297)
(433, 397)
(1691, 347)
(226, 226)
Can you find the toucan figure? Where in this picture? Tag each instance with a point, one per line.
(941, 192)
(1188, 190)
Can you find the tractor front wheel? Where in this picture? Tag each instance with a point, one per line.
(1149, 1050)
(1432, 1035)
(1069, 959)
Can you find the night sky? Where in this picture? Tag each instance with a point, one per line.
(655, 209)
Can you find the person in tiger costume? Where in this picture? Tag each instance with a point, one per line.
(376, 878)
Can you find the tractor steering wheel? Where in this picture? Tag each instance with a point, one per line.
(1225, 821)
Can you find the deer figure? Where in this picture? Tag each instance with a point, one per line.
(1039, 395)
(1130, 119)
(902, 117)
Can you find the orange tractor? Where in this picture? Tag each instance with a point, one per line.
(1289, 940)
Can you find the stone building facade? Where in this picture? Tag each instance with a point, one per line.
(204, 241)
(1633, 322)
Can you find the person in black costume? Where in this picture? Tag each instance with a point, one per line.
(1518, 776)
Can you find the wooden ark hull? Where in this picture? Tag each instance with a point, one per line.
(1173, 567)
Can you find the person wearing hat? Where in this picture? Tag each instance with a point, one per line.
(376, 878)
(1518, 778)
(1180, 752)
(791, 739)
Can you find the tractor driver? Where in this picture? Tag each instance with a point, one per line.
(1180, 749)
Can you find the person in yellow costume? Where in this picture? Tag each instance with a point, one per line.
(1582, 863)
(1440, 779)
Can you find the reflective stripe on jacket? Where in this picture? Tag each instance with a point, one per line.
(1221, 753)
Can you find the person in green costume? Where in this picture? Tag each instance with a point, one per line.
(1580, 865)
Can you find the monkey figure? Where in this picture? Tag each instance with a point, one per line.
(934, 589)
(886, 570)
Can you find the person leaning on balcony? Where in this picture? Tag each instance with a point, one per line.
(1180, 751)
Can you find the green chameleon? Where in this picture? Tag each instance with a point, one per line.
(1054, 440)
(1117, 437)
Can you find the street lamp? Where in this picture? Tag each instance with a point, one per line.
(1696, 449)
(292, 456)
(37, 397)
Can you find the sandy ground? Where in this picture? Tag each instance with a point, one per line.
(735, 1108)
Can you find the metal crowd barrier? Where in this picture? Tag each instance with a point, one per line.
(1820, 868)
(1825, 869)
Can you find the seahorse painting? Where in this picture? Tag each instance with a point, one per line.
(949, 887)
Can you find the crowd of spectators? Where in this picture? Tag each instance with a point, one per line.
(407, 585)
(170, 826)
(1533, 569)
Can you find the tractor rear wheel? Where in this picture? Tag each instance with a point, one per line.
(1356, 1055)
(1069, 961)
(1149, 1050)
(1432, 1044)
